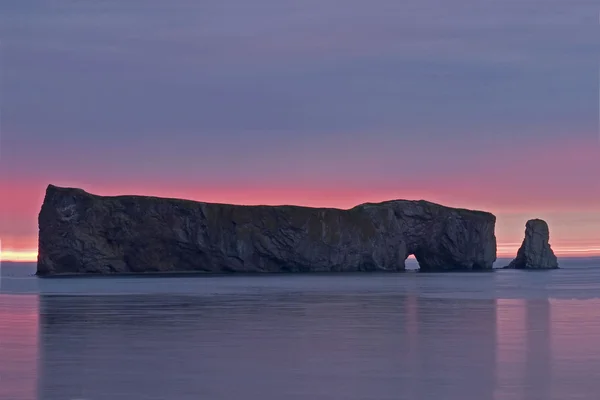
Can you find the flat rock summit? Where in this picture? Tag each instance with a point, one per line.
(81, 233)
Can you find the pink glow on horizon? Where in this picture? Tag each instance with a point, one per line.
(19, 235)
(30, 254)
(550, 180)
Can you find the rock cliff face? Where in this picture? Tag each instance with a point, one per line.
(81, 233)
(535, 252)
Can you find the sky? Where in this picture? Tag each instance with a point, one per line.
(481, 104)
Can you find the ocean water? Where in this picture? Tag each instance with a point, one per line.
(507, 335)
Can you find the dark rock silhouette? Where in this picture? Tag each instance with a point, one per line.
(81, 233)
(535, 252)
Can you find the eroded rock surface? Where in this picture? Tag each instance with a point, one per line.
(535, 252)
(84, 233)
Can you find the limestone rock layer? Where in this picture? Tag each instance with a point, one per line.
(81, 233)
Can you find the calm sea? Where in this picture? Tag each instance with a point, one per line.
(507, 335)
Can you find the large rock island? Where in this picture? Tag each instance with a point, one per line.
(81, 233)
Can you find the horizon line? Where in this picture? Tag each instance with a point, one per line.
(30, 256)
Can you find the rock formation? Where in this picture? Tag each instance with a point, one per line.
(535, 252)
(81, 233)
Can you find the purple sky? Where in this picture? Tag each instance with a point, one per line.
(369, 96)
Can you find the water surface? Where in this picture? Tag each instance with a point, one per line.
(506, 335)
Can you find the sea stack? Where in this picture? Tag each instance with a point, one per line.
(535, 252)
(81, 233)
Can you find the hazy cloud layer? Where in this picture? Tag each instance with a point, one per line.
(273, 67)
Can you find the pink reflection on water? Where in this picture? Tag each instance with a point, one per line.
(411, 326)
(576, 360)
(547, 349)
(19, 316)
(510, 347)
